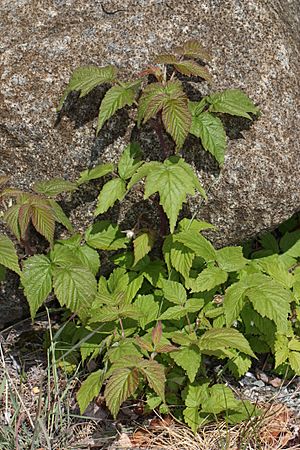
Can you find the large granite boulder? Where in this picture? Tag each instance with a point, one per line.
(255, 47)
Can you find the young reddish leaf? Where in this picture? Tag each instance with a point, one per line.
(155, 374)
(150, 102)
(11, 216)
(166, 58)
(37, 281)
(142, 245)
(121, 385)
(190, 67)
(54, 187)
(8, 256)
(116, 98)
(43, 220)
(193, 49)
(25, 215)
(152, 70)
(157, 333)
(85, 79)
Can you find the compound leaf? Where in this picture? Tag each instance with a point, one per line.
(151, 102)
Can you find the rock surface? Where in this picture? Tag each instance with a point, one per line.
(255, 47)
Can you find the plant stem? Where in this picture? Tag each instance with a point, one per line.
(158, 126)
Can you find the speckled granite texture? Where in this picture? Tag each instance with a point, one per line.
(255, 47)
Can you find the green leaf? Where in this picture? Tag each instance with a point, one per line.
(104, 235)
(275, 267)
(43, 220)
(219, 338)
(289, 243)
(76, 288)
(189, 358)
(175, 114)
(148, 308)
(182, 258)
(59, 215)
(112, 191)
(294, 344)
(11, 217)
(239, 364)
(142, 245)
(294, 359)
(281, 349)
(231, 259)
(85, 79)
(84, 253)
(8, 255)
(208, 279)
(54, 187)
(116, 98)
(89, 389)
(121, 385)
(173, 182)
(270, 299)
(196, 242)
(174, 313)
(234, 302)
(130, 161)
(155, 375)
(190, 67)
(193, 49)
(212, 134)
(97, 172)
(174, 292)
(220, 399)
(37, 281)
(194, 224)
(232, 101)
(194, 419)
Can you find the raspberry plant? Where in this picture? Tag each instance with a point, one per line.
(154, 320)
